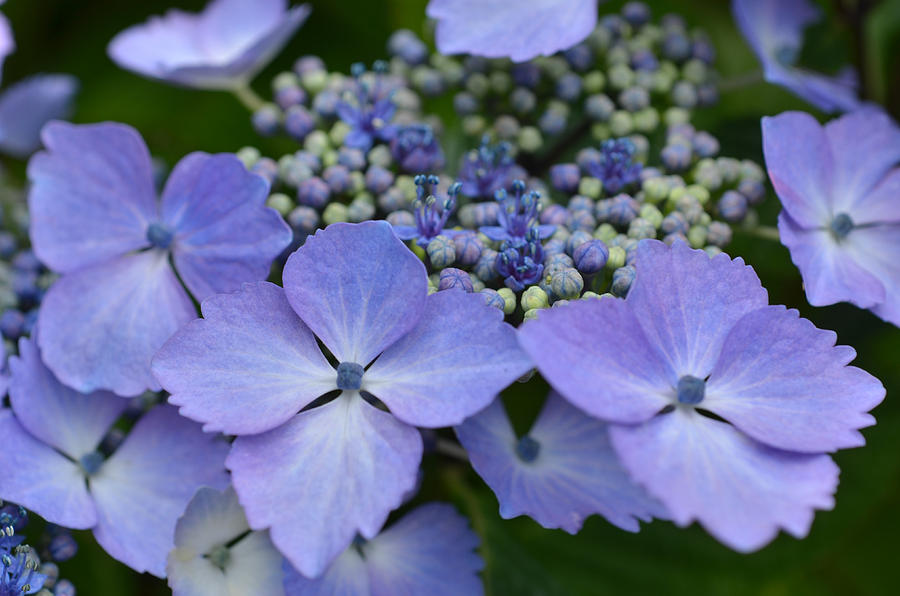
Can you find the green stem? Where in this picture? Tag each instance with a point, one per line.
(764, 232)
(740, 81)
(451, 449)
(248, 97)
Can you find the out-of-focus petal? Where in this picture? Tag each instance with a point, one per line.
(28, 105)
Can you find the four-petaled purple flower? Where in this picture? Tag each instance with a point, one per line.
(416, 149)
(216, 554)
(222, 47)
(317, 476)
(96, 219)
(516, 30)
(839, 186)
(431, 212)
(368, 109)
(517, 215)
(52, 463)
(428, 551)
(724, 407)
(774, 30)
(563, 470)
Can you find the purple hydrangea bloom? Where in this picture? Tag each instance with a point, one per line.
(520, 261)
(484, 171)
(428, 551)
(96, 219)
(839, 185)
(28, 105)
(52, 465)
(518, 215)
(724, 408)
(559, 473)
(318, 476)
(516, 30)
(431, 212)
(614, 165)
(18, 574)
(774, 30)
(416, 149)
(368, 109)
(222, 47)
(216, 554)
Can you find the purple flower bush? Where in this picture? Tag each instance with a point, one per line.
(384, 302)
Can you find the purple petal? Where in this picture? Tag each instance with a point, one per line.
(880, 205)
(99, 327)
(865, 146)
(451, 365)
(38, 477)
(428, 551)
(213, 519)
(742, 492)
(406, 232)
(321, 478)
(347, 576)
(247, 367)
(221, 48)
(7, 42)
(876, 248)
(575, 473)
(495, 233)
(358, 287)
(801, 166)
(74, 423)
(143, 489)
(92, 194)
(595, 354)
(687, 302)
(830, 94)
(224, 233)
(28, 105)
(516, 30)
(830, 272)
(783, 382)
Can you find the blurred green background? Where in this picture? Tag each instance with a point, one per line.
(851, 550)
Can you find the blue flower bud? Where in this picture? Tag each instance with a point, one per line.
(493, 298)
(556, 215)
(62, 546)
(307, 64)
(51, 571)
(304, 219)
(455, 278)
(337, 177)
(732, 206)
(590, 257)
(378, 179)
(558, 260)
(676, 47)
(407, 46)
(325, 103)
(393, 199)
(441, 252)
(579, 57)
(640, 228)
(526, 74)
(581, 219)
(567, 283)
(290, 97)
(465, 103)
(581, 202)
(552, 122)
(522, 100)
(718, 234)
(468, 248)
(64, 588)
(401, 217)
(753, 190)
(634, 99)
(676, 158)
(12, 324)
(485, 267)
(564, 177)
(266, 120)
(576, 239)
(599, 107)
(568, 87)
(622, 279)
(636, 13)
(267, 168)
(313, 192)
(705, 145)
(360, 209)
(675, 223)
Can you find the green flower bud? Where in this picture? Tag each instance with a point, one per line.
(652, 214)
(589, 294)
(646, 120)
(534, 297)
(249, 156)
(334, 213)
(621, 123)
(655, 189)
(501, 82)
(530, 139)
(640, 228)
(509, 297)
(531, 314)
(441, 251)
(594, 82)
(621, 77)
(361, 208)
(380, 155)
(697, 236)
(675, 116)
(477, 284)
(616, 258)
(329, 158)
(314, 81)
(338, 131)
(473, 125)
(605, 232)
(316, 142)
(590, 187)
(280, 202)
(694, 71)
(600, 131)
(701, 193)
(478, 84)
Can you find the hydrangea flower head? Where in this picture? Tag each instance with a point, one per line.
(563, 470)
(428, 551)
(222, 47)
(96, 219)
(486, 170)
(723, 407)
(615, 165)
(216, 554)
(516, 30)
(518, 215)
(54, 465)
(18, 573)
(774, 30)
(317, 476)
(368, 109)
(839, 186)
(431, 212)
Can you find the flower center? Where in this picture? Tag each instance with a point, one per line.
(691, 390)
(527, 449)
(91, 462)
(219, 556)
(349, 376)
(159, 235)
(786, 55)
(841, 225)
